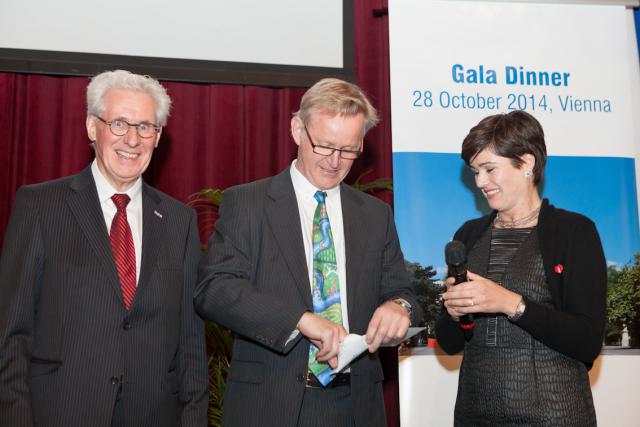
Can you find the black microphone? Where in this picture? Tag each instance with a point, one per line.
(455, 254)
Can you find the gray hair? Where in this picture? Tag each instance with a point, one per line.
(338, 97)
(121, 79)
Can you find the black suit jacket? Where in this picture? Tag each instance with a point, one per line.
(254, 280)
(67, 344)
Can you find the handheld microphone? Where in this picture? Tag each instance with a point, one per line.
(455, 254)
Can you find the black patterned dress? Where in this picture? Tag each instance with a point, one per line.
(508, 378)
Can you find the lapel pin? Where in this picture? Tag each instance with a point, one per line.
(158, 214)
(558, 268)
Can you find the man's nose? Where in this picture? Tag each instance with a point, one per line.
(131, 138)
(334, 159)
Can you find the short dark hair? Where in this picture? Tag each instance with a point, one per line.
(509, 135)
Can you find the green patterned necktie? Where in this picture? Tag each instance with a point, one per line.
(326, 284)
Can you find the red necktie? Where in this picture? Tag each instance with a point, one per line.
(123, 250)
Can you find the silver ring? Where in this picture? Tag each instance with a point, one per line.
(470, 302)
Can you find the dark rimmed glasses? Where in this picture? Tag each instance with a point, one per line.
(327, 151)
(120, 127)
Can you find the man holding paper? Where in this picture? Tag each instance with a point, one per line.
(298, 260)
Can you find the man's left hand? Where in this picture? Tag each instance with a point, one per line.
(389, 322)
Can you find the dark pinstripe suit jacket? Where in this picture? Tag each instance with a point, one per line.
(254, 280)
(65, 336)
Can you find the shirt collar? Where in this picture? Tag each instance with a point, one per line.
(106, 190)
(302, 185)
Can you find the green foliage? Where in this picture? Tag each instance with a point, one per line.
(427, 293)
(219, 339)
(219, 345)
(623, 302)
(613, 331)
(373, 186)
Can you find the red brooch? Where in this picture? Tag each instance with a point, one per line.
(558, 268)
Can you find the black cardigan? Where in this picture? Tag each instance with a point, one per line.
(575, 326)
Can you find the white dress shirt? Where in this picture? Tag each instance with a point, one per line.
(134, 209)
(307, 206)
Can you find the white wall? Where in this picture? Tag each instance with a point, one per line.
(428, 387)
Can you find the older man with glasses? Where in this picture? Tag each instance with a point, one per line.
(97, 325)
(296, 262)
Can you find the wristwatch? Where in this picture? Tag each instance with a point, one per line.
(404, 303)
(520, 308)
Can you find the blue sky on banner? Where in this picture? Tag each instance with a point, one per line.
(602, 188)
(637, 17)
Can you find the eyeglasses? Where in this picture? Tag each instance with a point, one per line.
(327, 151)
(121, 127)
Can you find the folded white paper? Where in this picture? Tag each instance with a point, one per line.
(353, 345)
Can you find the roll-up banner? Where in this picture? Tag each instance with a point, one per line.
(574, 67)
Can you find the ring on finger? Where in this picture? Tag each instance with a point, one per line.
(470, 302)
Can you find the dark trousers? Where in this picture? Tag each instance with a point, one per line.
(117, 417)
(327, 407)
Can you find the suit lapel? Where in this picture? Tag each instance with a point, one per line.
(355, 240)
(85, 206)
(152, 232)
(282, 214)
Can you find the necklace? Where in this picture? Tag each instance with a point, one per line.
(518, 222)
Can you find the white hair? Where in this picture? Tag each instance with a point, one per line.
(121, 79)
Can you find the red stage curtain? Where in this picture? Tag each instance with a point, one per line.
(217, 135)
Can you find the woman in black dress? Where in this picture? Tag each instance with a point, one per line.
(536, 287)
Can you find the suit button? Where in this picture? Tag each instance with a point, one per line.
(300, 378)
(115, 380)
(126, 325)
